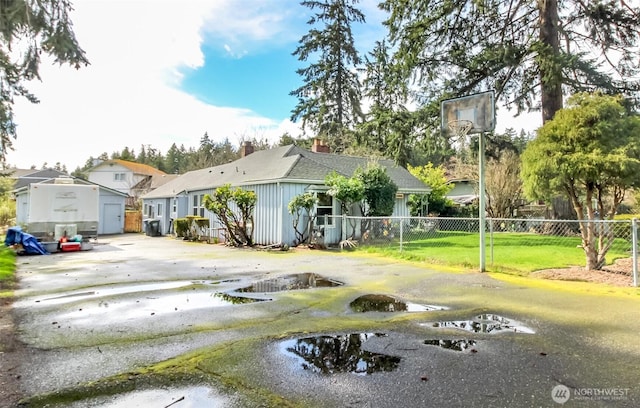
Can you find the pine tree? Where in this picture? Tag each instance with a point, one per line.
(329, 99)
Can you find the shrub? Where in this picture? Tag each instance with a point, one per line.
(191, 227)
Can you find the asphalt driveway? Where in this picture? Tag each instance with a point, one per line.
(134, 301)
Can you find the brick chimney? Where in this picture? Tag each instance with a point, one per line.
(246, 148)
(320, 147)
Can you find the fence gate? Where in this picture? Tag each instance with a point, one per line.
(133, 221)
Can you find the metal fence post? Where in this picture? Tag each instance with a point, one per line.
(634, 250)
(401, 231)
(491, 240)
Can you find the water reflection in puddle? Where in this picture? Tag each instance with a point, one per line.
(384, 303)
(188, 397)
(119, 290)
(107, 312)
(291, 282)
(339, 354)
(484, 323)
(455, 345)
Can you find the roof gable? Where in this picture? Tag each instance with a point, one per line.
(136, 168)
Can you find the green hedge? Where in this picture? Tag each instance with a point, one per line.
(190, 226)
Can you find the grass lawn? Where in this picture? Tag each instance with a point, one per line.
(7, 270)
(518, 253)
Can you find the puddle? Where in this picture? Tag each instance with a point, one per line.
(119, 290)
(384, 303)
(291, 282)
(108, 312)
(456, 345)
(237, 300)
(339, 354)
(188, 397)
(484, 323)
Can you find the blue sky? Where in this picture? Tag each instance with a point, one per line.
(242, 83)
(167, 71)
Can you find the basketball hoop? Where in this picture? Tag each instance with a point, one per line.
(460, 128)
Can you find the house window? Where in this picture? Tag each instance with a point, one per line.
(159, 209)
(148, 210)
(119, 176)
(324, 207)
(198, 209)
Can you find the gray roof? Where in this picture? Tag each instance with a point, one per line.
(24, 177)
(75, 180)
(283, 164)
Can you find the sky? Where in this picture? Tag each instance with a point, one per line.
(167, 71)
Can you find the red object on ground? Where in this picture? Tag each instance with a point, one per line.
(70, 246)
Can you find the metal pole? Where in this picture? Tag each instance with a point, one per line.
(481, 201)
(491, 240)
(401, 232)
(634, 250)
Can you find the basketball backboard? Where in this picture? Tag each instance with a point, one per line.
(469, 114)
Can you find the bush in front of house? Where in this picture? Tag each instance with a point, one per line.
(191, 227)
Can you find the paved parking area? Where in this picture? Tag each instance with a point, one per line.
(134, 300)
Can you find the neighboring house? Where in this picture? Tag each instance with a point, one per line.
(464, 191)
(25, 177)
(111, 205)
(133, 179)
(276, 176)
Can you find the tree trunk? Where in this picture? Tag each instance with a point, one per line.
(550, 68)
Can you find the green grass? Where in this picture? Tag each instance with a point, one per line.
(518, 253)
(7, 268)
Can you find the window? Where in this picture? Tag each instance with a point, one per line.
(148, 211)
(198, 209)
(159, 210)
(119, 176)
(324, 207)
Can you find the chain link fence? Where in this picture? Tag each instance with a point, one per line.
(516, 245)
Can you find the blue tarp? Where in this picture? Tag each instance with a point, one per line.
(30, 244)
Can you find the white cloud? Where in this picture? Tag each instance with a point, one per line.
(128, 96)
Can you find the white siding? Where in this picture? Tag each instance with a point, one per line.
(104, 175)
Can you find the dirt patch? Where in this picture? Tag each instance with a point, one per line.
(620, 273)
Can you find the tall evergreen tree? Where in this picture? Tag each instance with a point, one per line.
(173, 160)
(329, 99)
(388, 127)
(531, 52)
(29, 29)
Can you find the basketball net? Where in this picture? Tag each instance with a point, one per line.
(460, 128)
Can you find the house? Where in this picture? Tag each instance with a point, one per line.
(133, 179)
(25, 177)
(276, 176)
(464, 191)
(110, 211)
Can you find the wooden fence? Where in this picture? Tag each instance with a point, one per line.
(133, 221)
